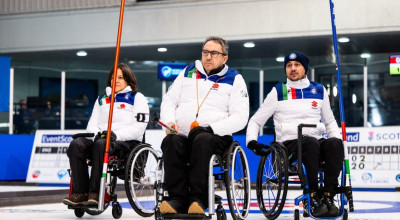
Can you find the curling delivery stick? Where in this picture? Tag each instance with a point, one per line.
(105, 164)
(349, 192)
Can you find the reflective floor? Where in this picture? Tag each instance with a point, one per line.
(369, 205)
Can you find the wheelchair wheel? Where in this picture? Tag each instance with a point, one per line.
(79, 212)
(237, 182)
(221, 215)
(158, 215)
(140, 179)
(296, 214)
(116, 211)
(345, 215)
(272, 181)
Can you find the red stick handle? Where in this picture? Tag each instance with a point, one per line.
(166, 126)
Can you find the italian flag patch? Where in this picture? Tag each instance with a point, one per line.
(289, 93)
(105, 99)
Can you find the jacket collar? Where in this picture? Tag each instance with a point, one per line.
(127, 89)
(299, 84)
(200, 68)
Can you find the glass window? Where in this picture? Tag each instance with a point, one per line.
(352, 91)
(37, 90)
(34, 98)
(383, 90)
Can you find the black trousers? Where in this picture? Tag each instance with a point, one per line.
(80, 150)
(330, 151)
(186, 165)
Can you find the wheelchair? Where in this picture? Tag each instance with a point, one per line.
(137, 170)
(232, 170)
(274, 174)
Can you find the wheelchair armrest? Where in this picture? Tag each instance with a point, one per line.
(75, 136)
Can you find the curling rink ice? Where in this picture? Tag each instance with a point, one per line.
(369, 205)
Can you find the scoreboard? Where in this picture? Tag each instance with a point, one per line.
(374, 156)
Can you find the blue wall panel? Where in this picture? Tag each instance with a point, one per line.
(15, 155)
(5, 63)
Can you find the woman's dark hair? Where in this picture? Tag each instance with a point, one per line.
(128, 75)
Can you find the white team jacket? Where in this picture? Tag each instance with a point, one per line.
(124, 122)
(291, 104)
(226, 109)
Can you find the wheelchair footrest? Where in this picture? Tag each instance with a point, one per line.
(82, 206)
(186, 216)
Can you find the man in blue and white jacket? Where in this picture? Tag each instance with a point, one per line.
(207, 102)
(300, 101)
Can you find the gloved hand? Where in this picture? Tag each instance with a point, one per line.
(258, 148)
(198, 130)
(103, 135)
(97, 137)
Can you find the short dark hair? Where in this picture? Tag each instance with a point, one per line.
(128, 75)
(223, 42)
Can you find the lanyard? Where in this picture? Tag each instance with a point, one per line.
(197, 92)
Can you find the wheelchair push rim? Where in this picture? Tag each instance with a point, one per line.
(140, 181)
(272, 182)
(237, 180)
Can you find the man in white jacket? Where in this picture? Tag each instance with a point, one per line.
(298, 101)
(207, 102)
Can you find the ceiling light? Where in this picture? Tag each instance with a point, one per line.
(365, 55)
(335, 91)
(280, 59)
(343, 39)
(249, 44)
(131, 62)
(162, 49)
(354, 98)
(150, 63)
(81, 53)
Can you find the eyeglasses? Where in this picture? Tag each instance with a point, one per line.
(214, 54)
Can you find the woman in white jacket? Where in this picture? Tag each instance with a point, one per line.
(126, 132)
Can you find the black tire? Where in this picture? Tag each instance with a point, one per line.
(237, 182)
(79, 212)
(157, 215)
(221, 214)
(116, 211)
(345, 214)
(296, 214)
(272, 181)
(140, 179)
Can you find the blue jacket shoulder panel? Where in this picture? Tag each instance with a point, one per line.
(314, 91)
(126, 97)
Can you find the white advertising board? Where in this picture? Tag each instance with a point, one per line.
(49, 161)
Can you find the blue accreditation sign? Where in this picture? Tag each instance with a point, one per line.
(5, 64)
(169, 71)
